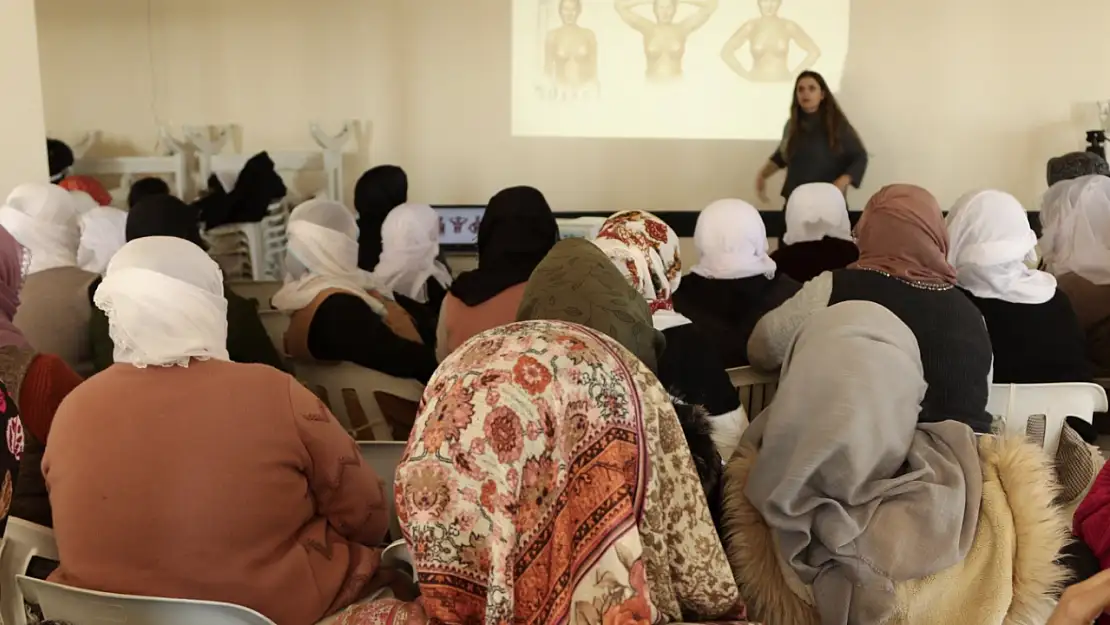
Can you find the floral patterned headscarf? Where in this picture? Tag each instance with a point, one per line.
(490, 497)
(645, 249)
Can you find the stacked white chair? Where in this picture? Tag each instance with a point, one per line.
(22, 541)
(348, 390)
(1011, 405)
(276, 323)
(251, 251)
(77, 606)
(756, 388)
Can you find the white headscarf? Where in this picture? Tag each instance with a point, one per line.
(83, 202)
(732, 242)
(989, 243)
(410, 245)
(323, 254)
(815, 211)
(164, 298)
(1076, 237)
(103, 233)
(41, 216)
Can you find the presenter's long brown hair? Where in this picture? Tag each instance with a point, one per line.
(831, 116)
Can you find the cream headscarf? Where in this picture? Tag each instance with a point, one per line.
(164, 298)
(323, 254)
(815, 211)
(732, 242)
(989, 243)
(410, 245)
(103, 233)
(42, 217)
(1076, 236)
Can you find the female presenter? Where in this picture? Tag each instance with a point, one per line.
(818, 143)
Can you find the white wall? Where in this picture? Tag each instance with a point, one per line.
(24, 155)
(950, 94)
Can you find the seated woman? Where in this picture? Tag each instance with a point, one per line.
(38, 383)
(163, 215)
(645, 250)
(734, 283)
(1076, 248)
(556, 405)
(144, 188)
(872, 515)
(280, 514)
(818, 233)
(1033, 330)
(903, 245)
(517, 231)
(378, 191)
(577, 283)
(55, 308)
(1075, 165)
(409, 263)
(339, 312)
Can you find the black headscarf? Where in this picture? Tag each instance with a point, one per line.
(144, 188)
(378, 191)
(164, 216)
(60, 158)
(257, 187)
(517, 231)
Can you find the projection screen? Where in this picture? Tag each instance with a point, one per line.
(674, 69)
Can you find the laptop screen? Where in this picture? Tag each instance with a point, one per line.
(458, 226)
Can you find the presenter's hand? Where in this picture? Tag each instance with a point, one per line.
(761, 187)
(1083, 602)
(842, 183)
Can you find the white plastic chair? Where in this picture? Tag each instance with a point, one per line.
(22, 541)
(261, 291)
(276, 323)
(348, 390)
(77, 606)
(383, 457)
(1015, 403)
(756, 388)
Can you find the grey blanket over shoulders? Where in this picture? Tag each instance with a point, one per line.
(859, 494)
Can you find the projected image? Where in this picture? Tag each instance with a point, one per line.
(674, 69)
(665, 36)
(570, 54)
(768, 38)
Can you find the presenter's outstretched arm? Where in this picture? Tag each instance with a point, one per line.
(732, 47)
(806, 43)
(855, 159)
(626, 9)
(765, 172)
(698, 19)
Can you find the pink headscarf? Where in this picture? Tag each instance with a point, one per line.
(902, 233)
(14, 260)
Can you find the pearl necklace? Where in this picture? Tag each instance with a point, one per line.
(917, 284)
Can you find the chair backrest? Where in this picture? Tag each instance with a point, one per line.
(756, 388)
(261, 291)
(22, 541)
(1013, 404)
(348, 391)
(77, 606)
(383, 457)
(276, 323)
